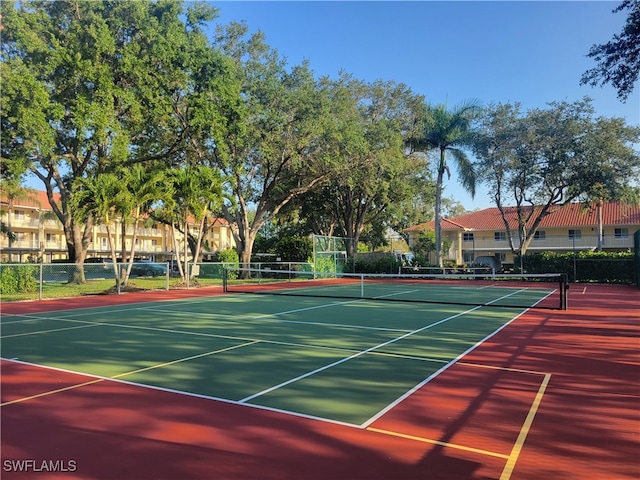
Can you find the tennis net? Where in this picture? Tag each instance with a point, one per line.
(500, 290)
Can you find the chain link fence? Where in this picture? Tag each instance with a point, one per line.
(23, 282)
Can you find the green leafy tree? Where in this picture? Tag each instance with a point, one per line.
(196, 191)
(448, 133)
(618, 61)
(276, 155)
(88, 86)
(375, 177)
(543, 159)
(140, 190)
(379, 174)
(97, 199)
(617, 167)
(294, 249)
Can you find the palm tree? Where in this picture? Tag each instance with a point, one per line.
(196, 192)
(450, 134)
(97, 197)
(141, 188)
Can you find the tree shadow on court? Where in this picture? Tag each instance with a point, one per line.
(112, 430)
(588, 418)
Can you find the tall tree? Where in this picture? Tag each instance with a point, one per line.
(617, 167)
(375, 179)
(196, 191)
(140, 190)
(544, 159)
(99, 198)
(276, 155)
(503, 136)
(91, 85)
(618, 61)
(377, 173)
(448, 133)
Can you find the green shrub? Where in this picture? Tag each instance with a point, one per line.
(18, 279)
(386, 264)
(294, 249)
(583, 266)
(325, 264)
(230, 257)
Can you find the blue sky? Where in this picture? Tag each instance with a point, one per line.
(502, 51)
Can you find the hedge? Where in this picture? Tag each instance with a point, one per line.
(18, 279)
(596, 267)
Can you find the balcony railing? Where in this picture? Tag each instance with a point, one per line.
(142, 231)
(553, 242)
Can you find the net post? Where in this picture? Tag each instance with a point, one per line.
(224, 279)
(564, 298)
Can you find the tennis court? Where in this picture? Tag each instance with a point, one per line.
(379, 386)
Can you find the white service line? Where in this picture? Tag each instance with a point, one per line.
(317, 370)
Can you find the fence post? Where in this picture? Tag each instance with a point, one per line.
(636, 255)
(40, 284)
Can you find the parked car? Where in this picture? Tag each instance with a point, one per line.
(147, 268)
(490, 262)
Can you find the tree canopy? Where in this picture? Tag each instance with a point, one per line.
(618, 61)
(137, 102)
(90, 86)
(540, 160)
(448, 133)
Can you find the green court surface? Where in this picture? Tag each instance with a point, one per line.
(335, 359)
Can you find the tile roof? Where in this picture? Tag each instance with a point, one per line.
(35, 198)
(571, 215)
(39, 199)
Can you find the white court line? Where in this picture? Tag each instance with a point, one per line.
(24, 334)
(438, 372)
(87, 323)
(333, 364)
(267, 316)
(317, 370)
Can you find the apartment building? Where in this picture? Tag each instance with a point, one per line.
(571, 228)
(39, 235)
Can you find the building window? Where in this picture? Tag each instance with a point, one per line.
(500, 236)
(621, 233)
(540, 235)
(467, 237)
(575, 234)
(103, 242)
(18, 214)
(51, 237)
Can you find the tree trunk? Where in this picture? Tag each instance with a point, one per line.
(186, 247)
(132, 252)
(77, 252)
(196, 254)
(247, 249)
(600, 228)
(438, 210)
(112, 248)
(174, 239)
